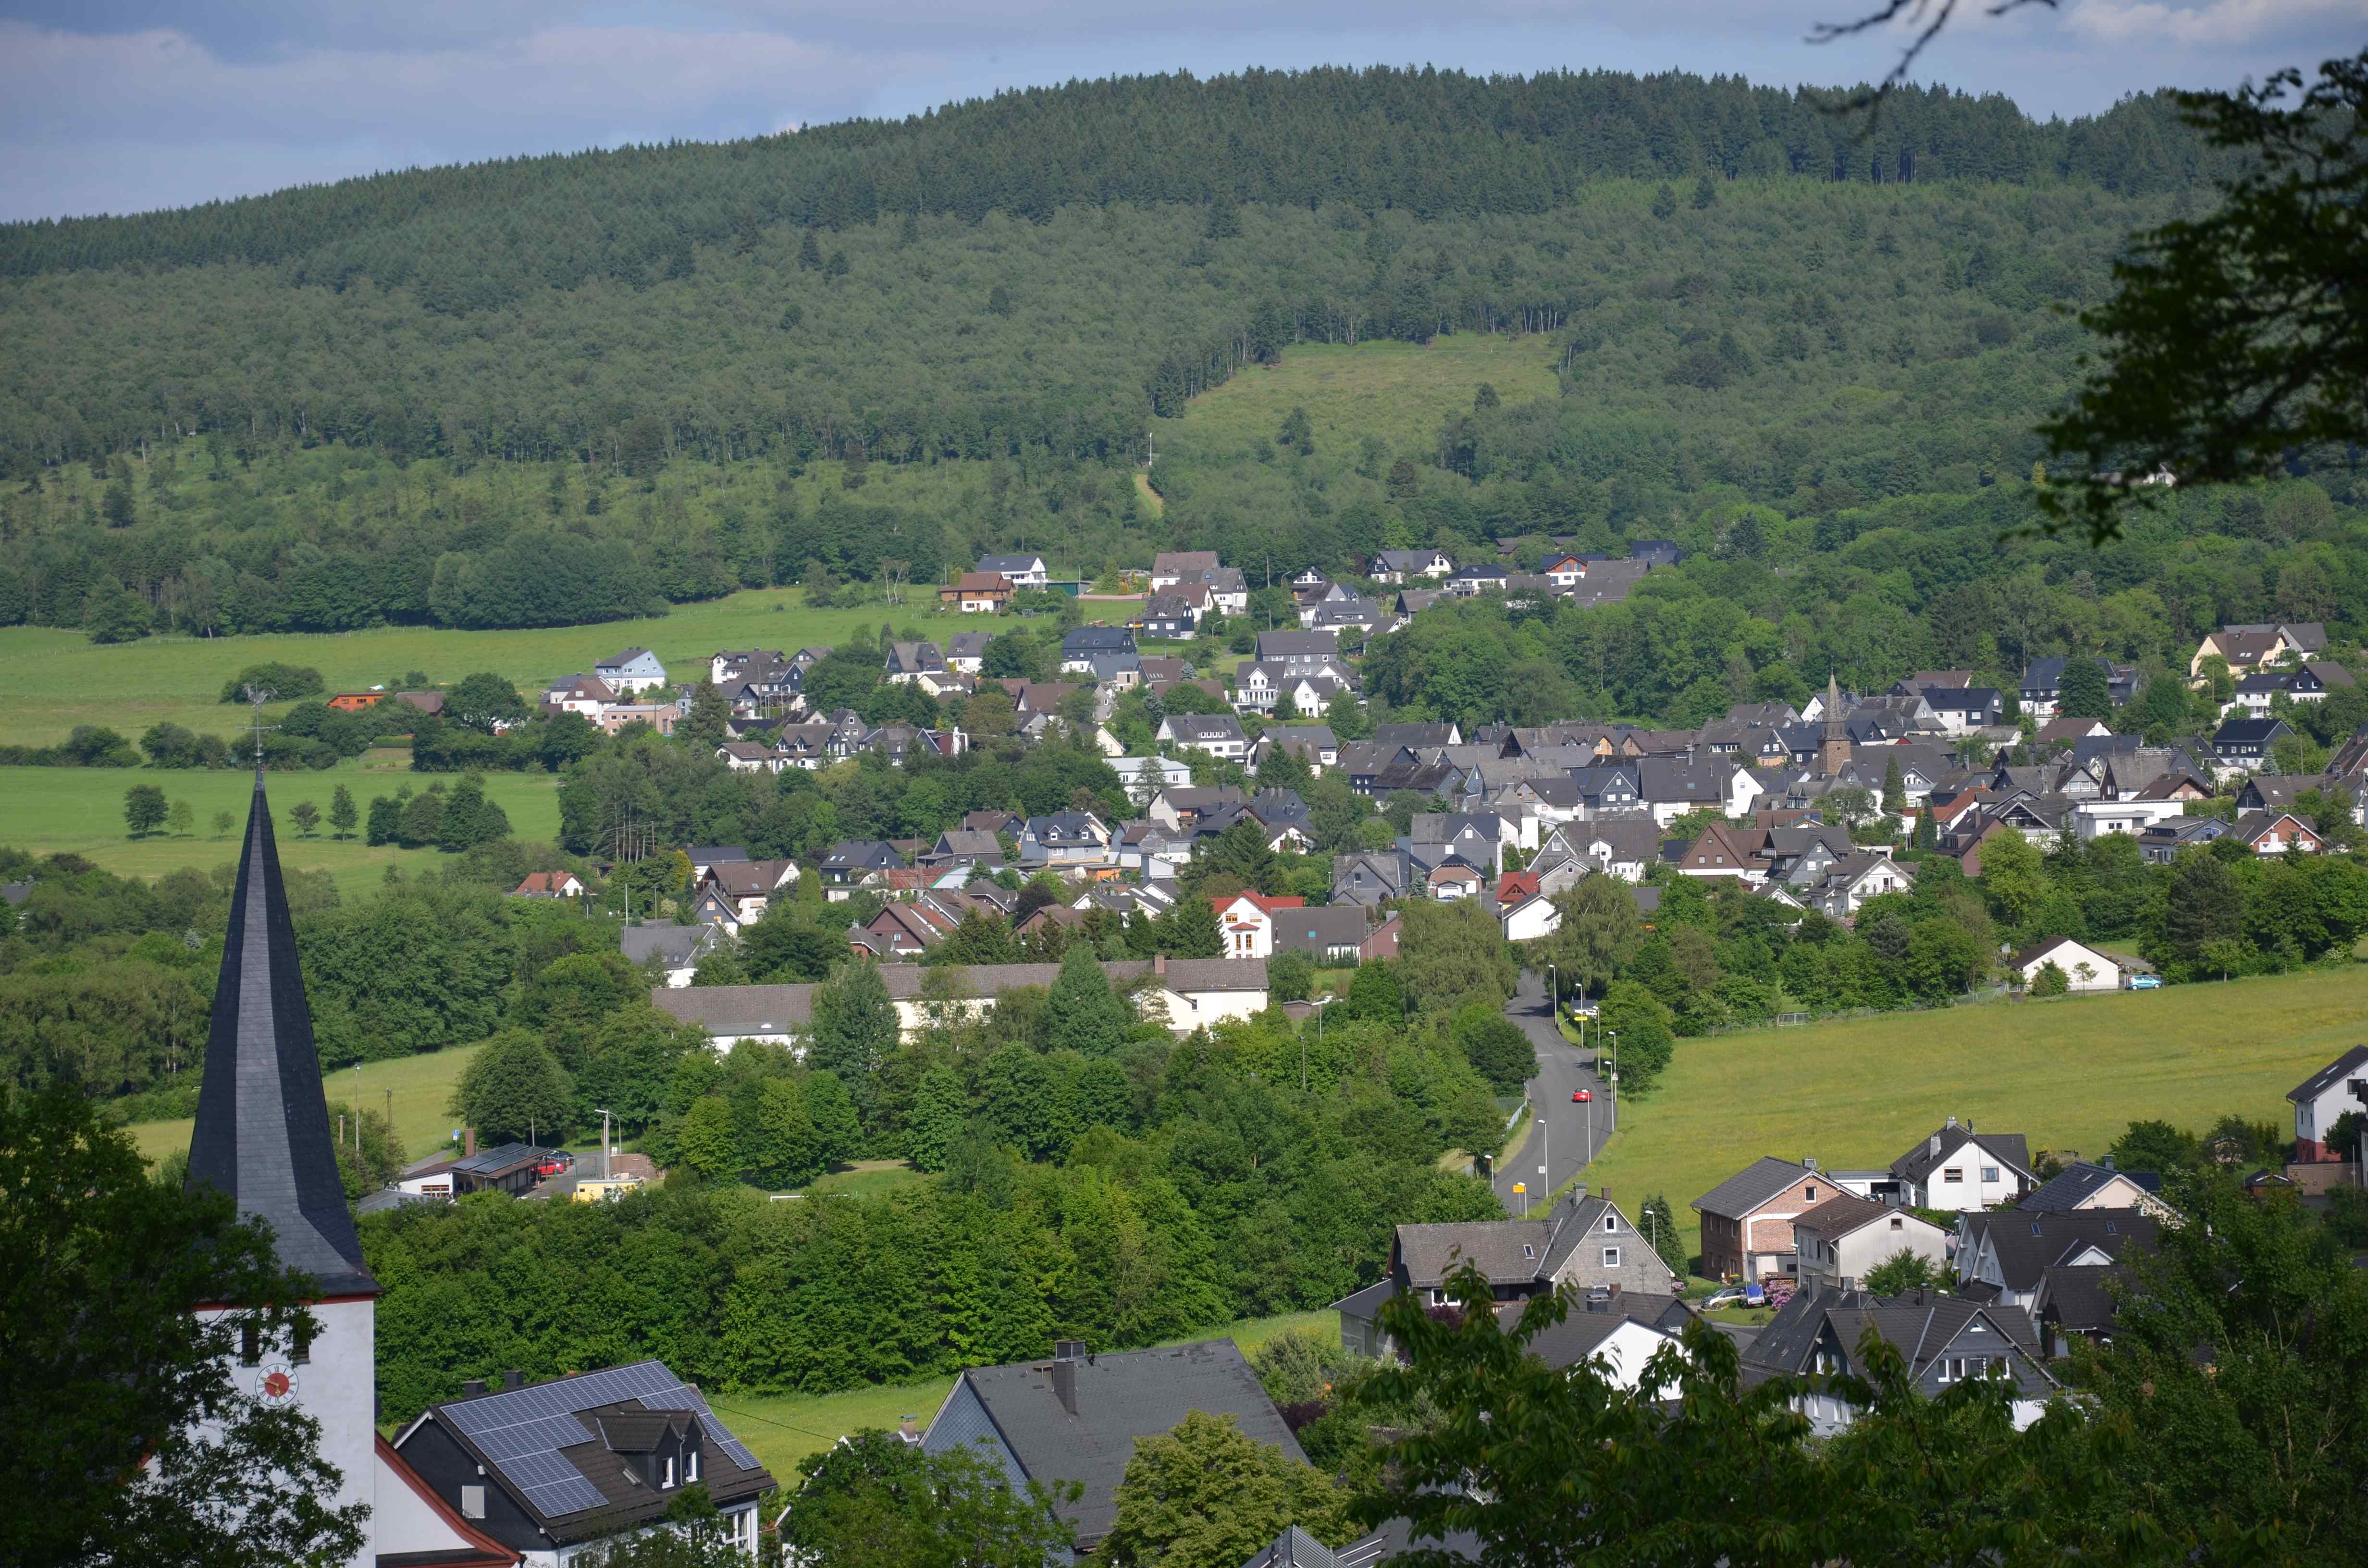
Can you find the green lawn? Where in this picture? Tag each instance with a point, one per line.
(422, 1086)
(784, 1430)
(2069, 1073)
(52, 679)
(863, 1178)
(1399, 392)
(48, 810)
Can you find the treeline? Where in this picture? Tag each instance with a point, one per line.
(1436, 142)
(108, 982)
(1812, 348)
(1771, 604)
(1099, 1178)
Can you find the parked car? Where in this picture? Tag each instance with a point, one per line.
(1731, 1296)
(2145, 983)
(1580, 1097)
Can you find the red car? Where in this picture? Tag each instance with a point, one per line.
(1580, 1097)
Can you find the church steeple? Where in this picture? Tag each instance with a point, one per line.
(262, 1133)
(1834, 751)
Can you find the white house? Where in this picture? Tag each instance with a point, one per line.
(1219, 734)
(2084, 966)
(1019, 571)
(1958, 1168)
(634, 671)
(2320, 1099)
(1245, 923)
(579, 694)
(1844, 1239)
(1150, 774)
(2099, 819)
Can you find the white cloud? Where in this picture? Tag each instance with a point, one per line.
(2214, 23)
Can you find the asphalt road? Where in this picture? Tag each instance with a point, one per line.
(1572, 1135)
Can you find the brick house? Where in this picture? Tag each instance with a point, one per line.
(1747, 1220)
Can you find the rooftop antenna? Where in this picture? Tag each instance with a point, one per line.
(256, 695)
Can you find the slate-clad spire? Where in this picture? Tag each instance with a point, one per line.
(263, 1123)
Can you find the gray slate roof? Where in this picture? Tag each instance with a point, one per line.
(2078, 1182)
(1747, 1188)
(2007, 1148)
(262, 1133)
(2352, 1061)
(2028, 1244)
(675, 945)
(1120, 1398)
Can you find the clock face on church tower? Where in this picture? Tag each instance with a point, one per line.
(276, 1385)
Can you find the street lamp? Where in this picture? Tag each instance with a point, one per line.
(1545, 1166)
(1612, 1084)
(604, 1141)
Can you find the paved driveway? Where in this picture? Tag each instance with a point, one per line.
(1573, 1131)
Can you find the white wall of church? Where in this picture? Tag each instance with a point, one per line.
(336, 1386)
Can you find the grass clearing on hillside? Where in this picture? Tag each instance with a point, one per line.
(422, 1086)
(2070, 1073)
(1399, 392)
(783, 1429)
(52, 679)
(80, 809)
(864, 1178)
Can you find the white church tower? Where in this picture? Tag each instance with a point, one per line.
(262, 1136)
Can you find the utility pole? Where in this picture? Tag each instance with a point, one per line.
(604, 1141)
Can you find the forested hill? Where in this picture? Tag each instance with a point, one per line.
(1434, 142)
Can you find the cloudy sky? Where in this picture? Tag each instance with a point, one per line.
(127, 105)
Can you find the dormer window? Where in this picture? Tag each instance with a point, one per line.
(667, 1484)
(690, 1464)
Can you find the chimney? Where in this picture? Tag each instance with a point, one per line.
(1064, 1384)
(909, 1429)
(1808, 1162)
(1952, 1121)
(468, 1141)
(471, 1388)
(1159, 963)
(513, 1379)
(1932, 1146)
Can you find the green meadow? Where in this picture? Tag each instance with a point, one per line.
(80, 811)
(2070, 1073)
(421, 1088)
(52, 679)
(1399, 392)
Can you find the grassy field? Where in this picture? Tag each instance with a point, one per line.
(783, 1430)
(49, 810)
(2070, 1075)
(864, 1178)
(51, 681)
(1399, 392)
(422, 1086)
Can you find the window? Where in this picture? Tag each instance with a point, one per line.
(250, 1343)
(1952, 1174)
(1527, 1251)
(1990, 1175)
(2113, 1227)
(1897, 1224)
(668, 1483)
(472, 1502)
(1439, 1298)
(1610, 1257)
(690, 1464)
(1809, 1194)
(1610, 1224)
(302, 1352)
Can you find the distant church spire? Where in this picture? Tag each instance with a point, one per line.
(263, 1122)
(1834, 754)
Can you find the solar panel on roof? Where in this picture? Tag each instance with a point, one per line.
(520, 1431)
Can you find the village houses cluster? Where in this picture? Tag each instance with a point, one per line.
(2020, 1251)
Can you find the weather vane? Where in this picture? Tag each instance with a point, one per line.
(256, 695)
